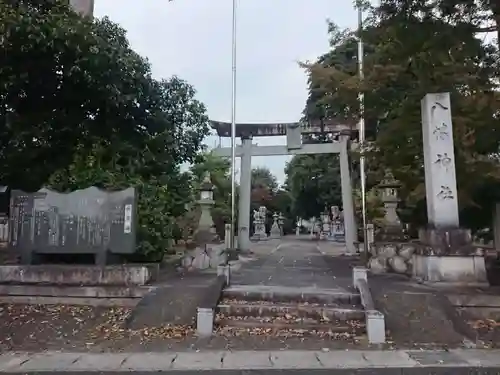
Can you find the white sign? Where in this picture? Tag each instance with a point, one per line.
(127, 224)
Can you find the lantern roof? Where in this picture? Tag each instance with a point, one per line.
(389, 181)
(206, 184)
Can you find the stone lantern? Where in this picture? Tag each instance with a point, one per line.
(389, 187)
(325, 224)
(392, 229)
(281, 223)
(275, 229)
(205, 233)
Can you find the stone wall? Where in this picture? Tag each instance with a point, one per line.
(208, 257)
(392, 257)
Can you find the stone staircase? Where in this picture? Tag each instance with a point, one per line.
(323, 312)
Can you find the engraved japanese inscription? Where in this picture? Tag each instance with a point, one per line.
(445, 193)
(83, 221)
(444, 160)
(441, 131)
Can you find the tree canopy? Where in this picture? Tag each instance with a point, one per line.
(411, 49)
(80, 107)
(314, 184)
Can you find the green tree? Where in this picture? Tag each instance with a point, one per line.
(479, 16)
(80, 107)
(410, 56)
(314, 184)
(264, 185)
(67, 82)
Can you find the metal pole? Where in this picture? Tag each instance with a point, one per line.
(361, 98)
(233, 130)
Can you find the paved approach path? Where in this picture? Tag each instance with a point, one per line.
(296, 264)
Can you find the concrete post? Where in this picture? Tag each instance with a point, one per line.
(370, 235)
(359, 273)
(227, 236)
(496, 226)
(245, 194)
(347, 199)
(204, 322)
(375, 327)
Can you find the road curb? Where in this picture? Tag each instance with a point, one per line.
(355, 361)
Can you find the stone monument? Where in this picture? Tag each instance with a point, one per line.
(446, 254)
(260, 224)
(86, 221)
(275, 228)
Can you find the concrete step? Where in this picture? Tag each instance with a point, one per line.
(299, 325)
(292, 295)
(318, 312)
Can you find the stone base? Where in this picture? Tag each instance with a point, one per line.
(76, 275)
(459, 270)
(391, 233)
(259, 237)
(446, 241)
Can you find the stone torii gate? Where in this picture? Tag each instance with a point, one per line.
(294, 146)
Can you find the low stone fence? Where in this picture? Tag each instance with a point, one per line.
(375, 322)
(80, 275)
(206, 311)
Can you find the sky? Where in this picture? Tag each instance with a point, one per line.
(192, 39)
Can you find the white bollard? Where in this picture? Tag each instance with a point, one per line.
(359, 273)
(375, 327)
(204, 321)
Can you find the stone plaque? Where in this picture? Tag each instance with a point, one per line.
(84, 221)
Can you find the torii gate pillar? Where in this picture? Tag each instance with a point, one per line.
(245, 194)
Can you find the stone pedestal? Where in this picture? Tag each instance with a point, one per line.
(457, 270)
(446, 241)
(447, 255)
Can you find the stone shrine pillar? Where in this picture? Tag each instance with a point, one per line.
(447, 254)
(347, 199)
(245, 194)
(260, 224)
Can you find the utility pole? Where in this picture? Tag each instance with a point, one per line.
(233, 130)
(361, 98)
